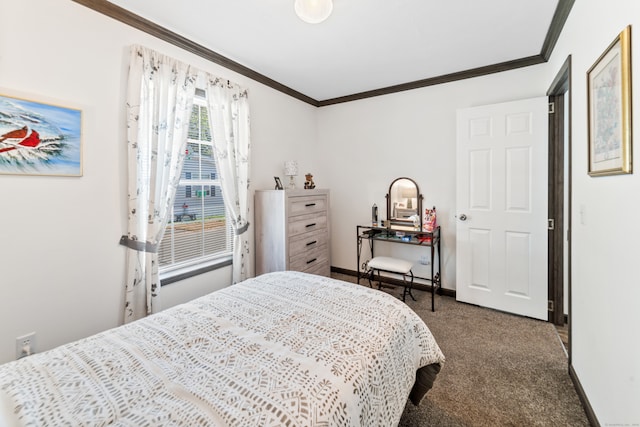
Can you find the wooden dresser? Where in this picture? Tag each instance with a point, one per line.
(292, 231)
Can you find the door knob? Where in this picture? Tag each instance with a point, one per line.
(463, 217)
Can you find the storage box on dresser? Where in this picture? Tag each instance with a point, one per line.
(292, 231)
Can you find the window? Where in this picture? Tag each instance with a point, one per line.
(198, 232)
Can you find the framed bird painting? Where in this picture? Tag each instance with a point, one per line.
(39, 139)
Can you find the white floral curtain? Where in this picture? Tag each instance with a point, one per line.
(159, 101)
(229, 109)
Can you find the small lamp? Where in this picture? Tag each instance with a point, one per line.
(408, 193)
(291, 170)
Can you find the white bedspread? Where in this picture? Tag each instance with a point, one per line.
(283, 349)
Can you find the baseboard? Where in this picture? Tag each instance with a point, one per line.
(591, 416)
(344, 271)
(395, 282)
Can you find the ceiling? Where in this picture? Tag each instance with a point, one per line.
(364, 46)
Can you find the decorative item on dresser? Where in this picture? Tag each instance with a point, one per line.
(292, 231)
(309, 184)
(278, 183)
(291, 170)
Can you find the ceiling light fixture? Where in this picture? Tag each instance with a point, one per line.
(313, 11)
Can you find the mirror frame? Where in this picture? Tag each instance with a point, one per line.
(404, 223)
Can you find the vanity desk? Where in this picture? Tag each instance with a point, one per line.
(404, 225)
(405, 236)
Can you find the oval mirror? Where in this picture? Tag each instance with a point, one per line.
(404, 203)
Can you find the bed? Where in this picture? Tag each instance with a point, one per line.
(281, 349)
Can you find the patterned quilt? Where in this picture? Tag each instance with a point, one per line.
(282, 349)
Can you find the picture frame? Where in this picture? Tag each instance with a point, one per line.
(609, 109)
(39, 138)
(278, 183)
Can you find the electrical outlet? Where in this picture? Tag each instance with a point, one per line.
(424, 260)
(25, 345)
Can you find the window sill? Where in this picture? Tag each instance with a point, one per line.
(177, 275)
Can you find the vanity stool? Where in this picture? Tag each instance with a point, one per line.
(392, 265)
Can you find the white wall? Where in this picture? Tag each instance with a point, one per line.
(364, 145)
(605, 289)
(61, 268)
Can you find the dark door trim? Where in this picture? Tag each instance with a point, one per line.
(556, 208)
(559, 90)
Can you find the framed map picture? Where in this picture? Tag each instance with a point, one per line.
(39, 139)
(609, 99)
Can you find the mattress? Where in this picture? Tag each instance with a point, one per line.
(281, 349)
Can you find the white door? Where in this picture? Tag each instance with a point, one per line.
(501, 220)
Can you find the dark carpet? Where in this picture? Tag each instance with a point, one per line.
(500, 369)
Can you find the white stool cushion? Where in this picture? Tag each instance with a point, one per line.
(394, 265)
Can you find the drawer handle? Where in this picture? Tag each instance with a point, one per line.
(312, 243)
(308, 205)
(312, 260)
(310, 225)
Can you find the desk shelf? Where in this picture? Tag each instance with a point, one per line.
(407, 236)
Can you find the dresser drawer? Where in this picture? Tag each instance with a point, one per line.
(308, 241)
(322, 268)
(307, 204)
(309, 259)
(307, 224)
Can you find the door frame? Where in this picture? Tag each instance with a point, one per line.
(559, 89)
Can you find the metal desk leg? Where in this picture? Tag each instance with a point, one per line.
(359, 253)
(439, 269)
(359, 250)
(410, 287)
(433, 283)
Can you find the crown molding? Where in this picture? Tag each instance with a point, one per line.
(116, 12)
(555, 28)
(119, 14)
(447, 78)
